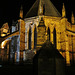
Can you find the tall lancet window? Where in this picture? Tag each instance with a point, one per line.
(43, 9)
(54, 37)
(48, 32)
(29, 39)
(35, 37)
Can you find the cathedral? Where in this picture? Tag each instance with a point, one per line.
(43, 22)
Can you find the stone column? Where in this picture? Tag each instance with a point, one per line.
(32, 38)
(67, 51)
(52, 37)
(73, 48)
(32, 44)
(27, 38)
(21, 55)
(0, 51)
(58, 41)
(22, 38)
(7, 51)
(24, 55)
(2, 54)
(17, 53)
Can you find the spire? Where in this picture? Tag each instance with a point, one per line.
(21, 12)
(40, 10)
(72, 18)
(63, 11)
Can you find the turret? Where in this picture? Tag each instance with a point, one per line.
(72, 18)
(40, 10)
(63, 11)
(21, 12)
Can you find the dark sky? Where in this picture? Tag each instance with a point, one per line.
(9, 9)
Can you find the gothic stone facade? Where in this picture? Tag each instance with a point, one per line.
(22, 41)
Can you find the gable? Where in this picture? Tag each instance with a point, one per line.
(49, 9)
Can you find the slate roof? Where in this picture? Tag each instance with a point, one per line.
(50, 9)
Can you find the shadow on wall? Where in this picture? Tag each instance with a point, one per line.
(48, 61)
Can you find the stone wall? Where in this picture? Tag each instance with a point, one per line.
(61, 25)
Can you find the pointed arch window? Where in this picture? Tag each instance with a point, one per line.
(43, 9)
(35, 37)
(29, 39)
(54, 37)
(48, 32)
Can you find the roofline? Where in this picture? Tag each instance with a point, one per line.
(39, 16)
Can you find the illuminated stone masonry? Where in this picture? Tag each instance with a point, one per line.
(26, 36)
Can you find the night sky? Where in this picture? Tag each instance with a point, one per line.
(9, 9)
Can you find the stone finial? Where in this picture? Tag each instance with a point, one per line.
(21, 12)
(63, 11)
(72, 18)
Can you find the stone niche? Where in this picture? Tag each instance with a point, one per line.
(48, 61)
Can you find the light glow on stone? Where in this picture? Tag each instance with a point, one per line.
(2, 45)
